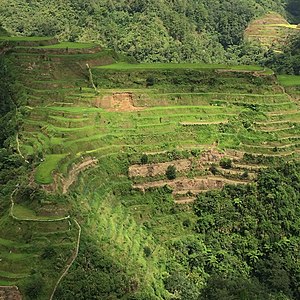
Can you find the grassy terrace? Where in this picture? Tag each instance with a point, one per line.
(44, 171)
(173, 111)
(163, 66)
(69, 45)
(289, 80)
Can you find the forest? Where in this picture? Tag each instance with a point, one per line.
(148, 30)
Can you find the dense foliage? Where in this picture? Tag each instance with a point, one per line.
(251, 235)
(148, 30)
(293, 7)
(11, 164)
(287, 62)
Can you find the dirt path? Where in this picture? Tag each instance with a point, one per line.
(72, 176)
(70, 262)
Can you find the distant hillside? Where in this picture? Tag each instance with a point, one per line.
(148, 30)
(271, 30)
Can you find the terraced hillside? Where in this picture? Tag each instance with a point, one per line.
(271, 30)
(124, 125)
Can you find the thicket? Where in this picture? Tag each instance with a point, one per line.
(148, 30)
(293, 8)
(288, 61)
(252, 234)
(11, 163)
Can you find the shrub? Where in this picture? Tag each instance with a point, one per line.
(245, 175)
(195, 152)
(226, 163)
(150, 81)
(34, 286)
(48, 252)
(186, 223)
(147, 251)
(144, 159)
(213, 169)
(171, 172)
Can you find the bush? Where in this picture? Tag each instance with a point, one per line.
(187, 223)
(226, 163)
(34, 286)
(147, 251)
(150, 81)
(245, 175)
(48, 252)
(213, 169)
(144, 159)
(171, 172)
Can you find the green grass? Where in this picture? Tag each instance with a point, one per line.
(9, 243)
(289, 80)
(149, 66)
(5, 283)
(69, 45)
(43, 174)
(10, 275)
(23, 212)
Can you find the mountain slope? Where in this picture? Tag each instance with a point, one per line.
(147, 30)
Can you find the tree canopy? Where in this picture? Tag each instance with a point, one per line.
(148, 30)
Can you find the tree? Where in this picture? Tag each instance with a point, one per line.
(144, 159)
(171, 172)
(34, 286)
(147, 251)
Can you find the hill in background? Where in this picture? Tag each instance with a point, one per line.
(147, 30)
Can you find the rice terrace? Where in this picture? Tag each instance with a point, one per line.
(152, 180)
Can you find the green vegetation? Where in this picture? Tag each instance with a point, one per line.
(171, 172)
(287, 61)
(43, 174)
(255, 217)
(289, 80)
(69, 45)
(147, 30)
(177, 179)
(24, 38)
(126, 67)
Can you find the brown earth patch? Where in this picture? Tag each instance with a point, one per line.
(10, 293)
(50, 210)
(182, 165)
(117, 102)
(195, 185)
(150, 170)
